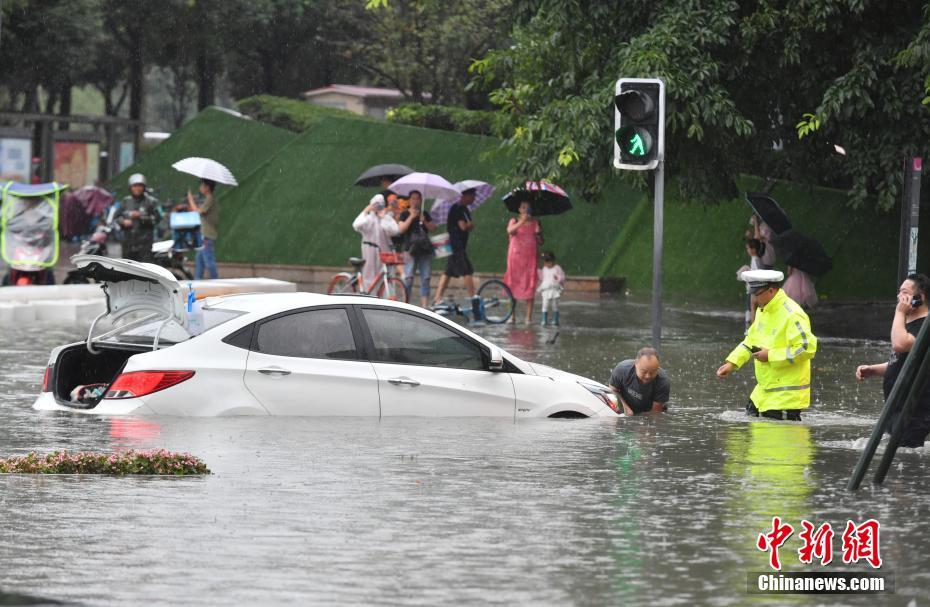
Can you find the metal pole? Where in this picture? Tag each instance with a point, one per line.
(657, 231)
(910, 215)
(913, 396)
(915, 166)
(898, 391)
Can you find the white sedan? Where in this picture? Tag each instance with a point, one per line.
(293, 354)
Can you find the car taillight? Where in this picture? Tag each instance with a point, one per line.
(47, 378)
(140, 383)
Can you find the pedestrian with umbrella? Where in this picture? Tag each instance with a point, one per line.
(525, 236)
(210, 172)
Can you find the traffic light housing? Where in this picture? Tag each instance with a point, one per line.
(639, 123)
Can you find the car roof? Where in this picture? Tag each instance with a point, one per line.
(269, 303)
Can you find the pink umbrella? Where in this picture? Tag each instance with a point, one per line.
(483, 191)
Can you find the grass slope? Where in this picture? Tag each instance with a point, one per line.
(239, 143)
(298, 208)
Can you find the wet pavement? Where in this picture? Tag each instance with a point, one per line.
(656, 510)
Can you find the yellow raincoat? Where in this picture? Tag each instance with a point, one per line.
(784, 382)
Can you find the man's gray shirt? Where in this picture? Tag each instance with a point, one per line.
(637, 395)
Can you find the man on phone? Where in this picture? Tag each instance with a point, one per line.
(781, 344)
(909, 316)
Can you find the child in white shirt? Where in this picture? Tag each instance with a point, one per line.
(551, 285)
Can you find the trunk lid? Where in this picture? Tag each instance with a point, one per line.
(132, 286)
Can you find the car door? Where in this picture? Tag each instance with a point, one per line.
(307, 362)
(425, 367)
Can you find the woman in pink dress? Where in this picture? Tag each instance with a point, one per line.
(525, 237)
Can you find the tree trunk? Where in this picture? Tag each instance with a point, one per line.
(31, 100)
(206, 79)
(51, 101)
(64, 107)
(136, 76)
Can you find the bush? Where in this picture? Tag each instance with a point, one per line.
(291, 114)
(446, 118)
(158, 462)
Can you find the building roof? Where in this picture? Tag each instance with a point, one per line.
(366, 92)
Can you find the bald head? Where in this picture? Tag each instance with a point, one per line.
(647, 365)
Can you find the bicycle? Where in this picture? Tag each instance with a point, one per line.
(385, 285)
(495, 304)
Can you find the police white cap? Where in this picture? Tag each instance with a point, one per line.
(756, 279)
(377, 200)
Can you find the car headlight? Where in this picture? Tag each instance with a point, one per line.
(605, 395)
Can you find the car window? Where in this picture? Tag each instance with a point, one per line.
(408, 339)
(308, 334)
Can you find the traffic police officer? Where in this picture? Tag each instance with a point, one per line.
(782, 346)
(137, 216)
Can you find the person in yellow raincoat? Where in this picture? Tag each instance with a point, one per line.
(782, 345)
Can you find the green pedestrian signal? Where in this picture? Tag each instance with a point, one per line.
(639, 123)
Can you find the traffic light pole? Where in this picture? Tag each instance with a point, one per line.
(657, 250)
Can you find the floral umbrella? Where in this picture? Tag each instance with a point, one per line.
(545, 198)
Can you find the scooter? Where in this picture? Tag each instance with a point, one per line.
(165, 255)
(29, 225)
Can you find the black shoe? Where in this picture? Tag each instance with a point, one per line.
(793, 415)
(751, 410)
(773, 414)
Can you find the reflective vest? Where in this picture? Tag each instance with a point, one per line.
(784, 382)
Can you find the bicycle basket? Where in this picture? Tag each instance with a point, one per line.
(392, 258)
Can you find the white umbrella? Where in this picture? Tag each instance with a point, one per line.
(429, 185)
(206, 169)
(483, 191)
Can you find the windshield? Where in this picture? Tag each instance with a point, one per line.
(135, 333)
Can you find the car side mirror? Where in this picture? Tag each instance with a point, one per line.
(496, 362)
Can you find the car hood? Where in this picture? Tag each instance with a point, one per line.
(546, 371)
(132, 286)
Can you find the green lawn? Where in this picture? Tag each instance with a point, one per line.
(296, 202)
(299, 207)
(239, 143)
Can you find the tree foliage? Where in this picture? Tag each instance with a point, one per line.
(743, 79)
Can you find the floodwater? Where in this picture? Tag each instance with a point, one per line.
(654, 510)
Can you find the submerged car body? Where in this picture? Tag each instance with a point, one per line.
(294, 354)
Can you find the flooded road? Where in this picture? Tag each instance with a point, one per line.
(656, 510)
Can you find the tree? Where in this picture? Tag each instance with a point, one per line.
(34, 34)
(740, 77)
(424, 47)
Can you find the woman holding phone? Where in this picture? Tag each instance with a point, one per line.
(910, 313)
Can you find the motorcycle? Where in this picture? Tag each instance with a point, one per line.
(169, 254)
(29, 231)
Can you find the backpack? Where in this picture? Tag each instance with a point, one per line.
(419, 243)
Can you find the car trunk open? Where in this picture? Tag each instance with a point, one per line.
(76, 366)
(145, 303)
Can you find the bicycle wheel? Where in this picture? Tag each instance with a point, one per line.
(393, 288)
(343, 283)
(497, 299)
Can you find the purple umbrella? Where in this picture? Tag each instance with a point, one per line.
(483, 191)
(429, 185)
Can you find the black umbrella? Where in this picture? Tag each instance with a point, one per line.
(544, 198)
(772, 214)
(802, 252)
(373, 176)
